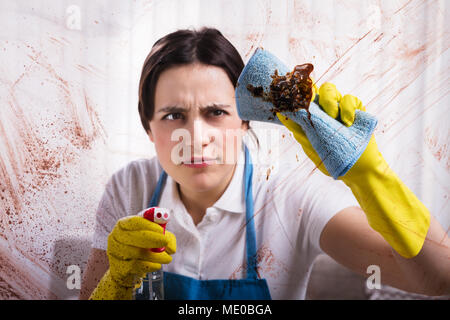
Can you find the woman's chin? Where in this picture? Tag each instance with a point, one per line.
(199, 182)
(201, 179)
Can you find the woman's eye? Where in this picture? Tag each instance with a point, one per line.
(173, 116)
(218, 112)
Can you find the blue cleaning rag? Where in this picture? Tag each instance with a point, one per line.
(338, 146)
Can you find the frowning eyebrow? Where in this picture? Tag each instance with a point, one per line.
(175, 109)
(172, 109)
(215, 106)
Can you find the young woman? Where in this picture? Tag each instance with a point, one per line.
(239, 236)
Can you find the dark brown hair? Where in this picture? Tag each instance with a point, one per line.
(207, 46)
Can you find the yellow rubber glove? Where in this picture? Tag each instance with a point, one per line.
(129, 257)
(391, 208)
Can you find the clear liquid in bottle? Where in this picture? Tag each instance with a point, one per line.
(152, 287)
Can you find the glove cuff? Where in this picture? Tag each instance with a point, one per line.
(391, 207)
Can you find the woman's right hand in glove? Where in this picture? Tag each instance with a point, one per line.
(130, 258)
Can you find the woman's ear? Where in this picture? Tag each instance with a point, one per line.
(245, 125)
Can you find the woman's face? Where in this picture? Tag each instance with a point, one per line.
(195, 126)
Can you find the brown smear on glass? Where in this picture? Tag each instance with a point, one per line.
(290, 92)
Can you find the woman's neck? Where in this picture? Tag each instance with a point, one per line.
(196, 203)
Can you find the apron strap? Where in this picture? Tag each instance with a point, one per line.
(157, 193)
(250, 225)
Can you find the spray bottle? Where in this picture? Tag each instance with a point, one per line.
(152, 287)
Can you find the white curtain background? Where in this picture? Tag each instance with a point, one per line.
(69, 73)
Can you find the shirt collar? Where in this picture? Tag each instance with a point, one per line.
(233, 199)
(170, 198)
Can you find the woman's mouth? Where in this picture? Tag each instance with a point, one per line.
(199, 162)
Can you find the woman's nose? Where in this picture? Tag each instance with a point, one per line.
(200, 136)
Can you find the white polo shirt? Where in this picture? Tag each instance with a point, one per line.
(291, 208)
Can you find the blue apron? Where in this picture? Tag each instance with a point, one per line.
(179, 287)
